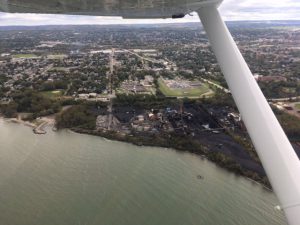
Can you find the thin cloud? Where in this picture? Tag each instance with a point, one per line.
(261, 10)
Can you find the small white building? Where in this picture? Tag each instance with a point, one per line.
(92, 95)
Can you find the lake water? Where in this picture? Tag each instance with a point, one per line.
(63, 178)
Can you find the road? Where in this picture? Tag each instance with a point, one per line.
(110, 88)
(141, 57)
(111, 71)
(284, 99)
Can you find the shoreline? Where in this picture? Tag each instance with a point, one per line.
(162, 143)
(158, 141)
(37, 128)
(18, 121)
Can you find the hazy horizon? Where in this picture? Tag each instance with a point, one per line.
(153, 24)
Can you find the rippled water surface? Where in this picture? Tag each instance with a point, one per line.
(65, 178)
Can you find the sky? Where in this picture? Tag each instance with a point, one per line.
(231, 10)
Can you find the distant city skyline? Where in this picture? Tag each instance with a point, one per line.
(231, 10)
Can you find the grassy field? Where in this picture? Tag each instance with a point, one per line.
(58, 69)
(192, 92)
(57, 56)
(297, 106)
(289, 90)
(25, 56)
(53, 94)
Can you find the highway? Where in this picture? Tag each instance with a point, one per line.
(284, 99)
(110, 88)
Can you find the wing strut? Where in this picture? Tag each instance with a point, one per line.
(274, 149)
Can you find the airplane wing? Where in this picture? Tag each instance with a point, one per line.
(123, 8)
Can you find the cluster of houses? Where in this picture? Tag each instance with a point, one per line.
(144, 86)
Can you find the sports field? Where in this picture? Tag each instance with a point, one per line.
(178, 92)
(57, 56)
(26, 56)
(52, 94)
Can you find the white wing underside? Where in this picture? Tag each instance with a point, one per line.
(123, 8)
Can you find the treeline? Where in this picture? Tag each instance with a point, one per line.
(152, 101)
(3, 90)
(34, 102)
(144, 101)
(82, 116)
(54, 85)
(3, 79)
(220, 99)
(280, 89)
(290, 124)
(182, 143)
(30, 101)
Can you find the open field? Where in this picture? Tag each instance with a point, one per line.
(148, 90)
(59, 69)
(297, 106)
(57, 56)
(52, 94)
(179, 92)
(25, 56)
